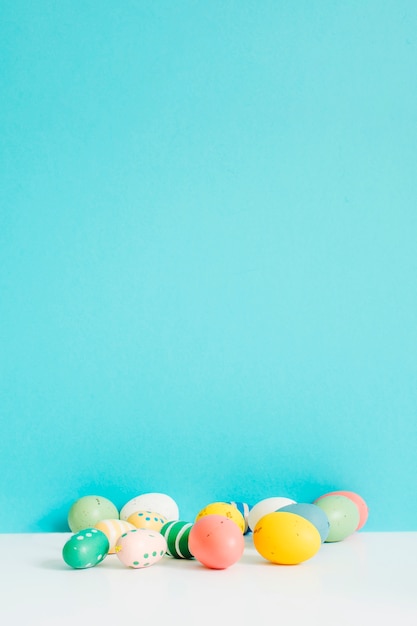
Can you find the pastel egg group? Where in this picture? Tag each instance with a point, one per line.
(148, 527)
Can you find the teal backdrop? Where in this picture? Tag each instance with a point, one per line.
(208, 254)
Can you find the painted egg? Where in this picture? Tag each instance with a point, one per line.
(147, 519)
(140, 548)
(286, 538)
(113, 529)
(86, 548)
(268, 505)
(343, 516)
(176, 535)
(159, 502)
(88, 510)
(313, 514)
(216, 541)
(244, 509)
(358, 500)
(227, 510)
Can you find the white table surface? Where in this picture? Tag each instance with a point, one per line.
(368, 576)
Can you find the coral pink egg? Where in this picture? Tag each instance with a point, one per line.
(216, 541)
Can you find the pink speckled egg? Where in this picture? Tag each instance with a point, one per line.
(216, 541)
(140, 548)
(113, 529)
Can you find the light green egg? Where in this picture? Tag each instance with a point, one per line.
(88, 510)
(343, 516)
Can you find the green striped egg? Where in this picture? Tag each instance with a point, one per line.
(176, 534)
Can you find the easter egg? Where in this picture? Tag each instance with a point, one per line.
(147, 519)
(313, 514)
(86, 548)
(227, 510)
(358, 500)
(88, 510)
(176, 535)
(113, 528)
(140, 548)
(216, 541)
(159, 502)
(267, 505)
(244, 509)
(343, 516)
(286, 538)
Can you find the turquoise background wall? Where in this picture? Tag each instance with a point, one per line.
(208, 254)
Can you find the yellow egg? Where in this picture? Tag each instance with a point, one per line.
(227, 510)
(286, 538)
(113, 529)
(147, 519)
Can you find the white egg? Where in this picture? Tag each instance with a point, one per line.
(158, 502)
(263, 507)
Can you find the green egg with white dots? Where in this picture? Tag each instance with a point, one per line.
(86, 548)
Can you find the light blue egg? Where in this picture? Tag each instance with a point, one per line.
(313, 514)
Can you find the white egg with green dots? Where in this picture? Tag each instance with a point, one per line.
(140, 548)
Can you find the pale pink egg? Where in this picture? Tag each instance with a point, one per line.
(140, 547)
